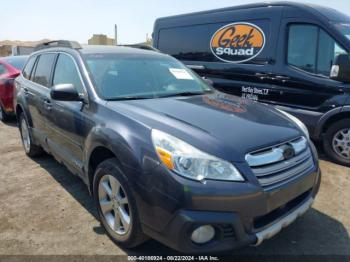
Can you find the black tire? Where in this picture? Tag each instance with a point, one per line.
(3, 116)
(329, 136)
(31, 149)
(134, 235)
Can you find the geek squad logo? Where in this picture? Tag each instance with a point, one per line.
(237, 42)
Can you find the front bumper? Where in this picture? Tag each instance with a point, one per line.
(236, 229)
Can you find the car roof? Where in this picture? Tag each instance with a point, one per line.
(328, 13)
(103, 49)
(91, 49)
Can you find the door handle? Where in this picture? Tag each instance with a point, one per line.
(263, 76)
(47, 104)
(25, 91)
(282, 78)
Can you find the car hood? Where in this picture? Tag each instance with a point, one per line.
(217, 123)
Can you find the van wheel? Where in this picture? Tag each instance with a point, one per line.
(116, 205)
(337, 142)
(30, 148)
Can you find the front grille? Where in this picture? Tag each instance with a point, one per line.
(282, 163)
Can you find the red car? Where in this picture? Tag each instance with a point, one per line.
(10, 68)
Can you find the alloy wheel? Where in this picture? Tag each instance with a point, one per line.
(114, 204)
(25, 135)
(341, 143)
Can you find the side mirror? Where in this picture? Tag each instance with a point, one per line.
(341, 68)
(65, 92)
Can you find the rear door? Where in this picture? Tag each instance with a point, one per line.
(235, 68)
(37, 92)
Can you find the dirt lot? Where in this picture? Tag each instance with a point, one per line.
(46, 210)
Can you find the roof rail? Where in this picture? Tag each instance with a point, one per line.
(142, 46)
(58, 43)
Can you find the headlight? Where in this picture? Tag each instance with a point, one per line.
(297, 122)
(190, 162)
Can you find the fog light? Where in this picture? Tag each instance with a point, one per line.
(203, 234)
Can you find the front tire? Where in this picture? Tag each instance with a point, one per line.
(30, 148)
(337, 142)
(116, 205)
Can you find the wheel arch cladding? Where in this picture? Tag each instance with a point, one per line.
(334, 118)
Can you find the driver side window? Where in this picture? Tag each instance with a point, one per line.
(66, 72)
(311, 49)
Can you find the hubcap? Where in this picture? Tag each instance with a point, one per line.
(25, 135)
(114, 204)
(341, 143)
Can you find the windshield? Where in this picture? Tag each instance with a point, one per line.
(125, 76)
(344, 28)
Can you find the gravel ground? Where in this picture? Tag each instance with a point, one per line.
(45, 210)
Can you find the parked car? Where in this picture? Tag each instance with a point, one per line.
(10, 68)
(279, 53)
(163, 154)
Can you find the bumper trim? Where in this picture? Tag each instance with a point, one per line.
(282, 223)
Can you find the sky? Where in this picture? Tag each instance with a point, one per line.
(30, 20)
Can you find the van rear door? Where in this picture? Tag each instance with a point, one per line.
(236, 49)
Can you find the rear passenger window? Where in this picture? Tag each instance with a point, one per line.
(66, 72)
(43, 69)
(311, 49)
(29, 67)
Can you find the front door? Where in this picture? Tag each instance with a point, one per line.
(302, 77)
(67, 123)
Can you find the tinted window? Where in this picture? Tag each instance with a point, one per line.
(3, 69)
(28, 68)
(43, 69)
(187, 43)
(66, 72)
(312, 49)
(132, 77)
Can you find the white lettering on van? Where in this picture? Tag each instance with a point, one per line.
(234, 52)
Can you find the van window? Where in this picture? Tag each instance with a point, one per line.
(43, 69)
(29, 67)
(66, 72)
(311, 49)
(186, 43)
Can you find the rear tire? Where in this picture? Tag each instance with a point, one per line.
(112, 194)
(30, 148)
(3, 116)
(337, 142)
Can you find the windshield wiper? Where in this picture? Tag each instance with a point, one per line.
(186, 93)
(124, 98)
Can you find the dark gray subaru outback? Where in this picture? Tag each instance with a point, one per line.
(163, 154)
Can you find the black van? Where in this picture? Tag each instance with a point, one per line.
(291, 55)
